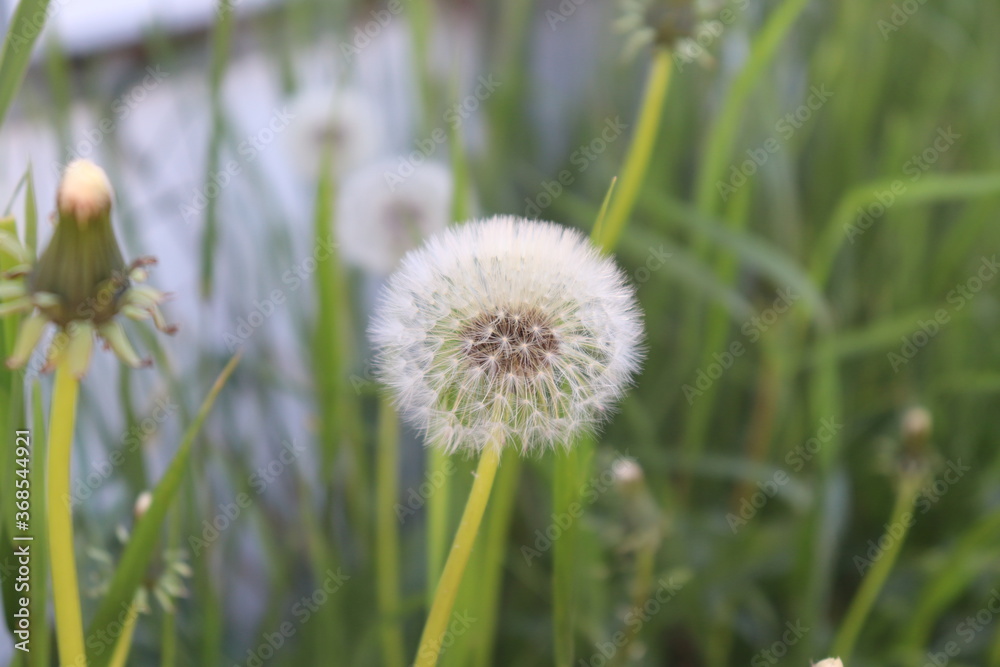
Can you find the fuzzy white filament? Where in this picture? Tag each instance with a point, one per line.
(507, 330)
(378, 222)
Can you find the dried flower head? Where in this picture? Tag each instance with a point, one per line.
(81, 281)
(379, 220)
(507, 331)
(671, 24)
(346, 122)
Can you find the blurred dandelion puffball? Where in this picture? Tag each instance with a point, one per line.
(347, 122)
(507, 332)
(829, 662)
(377, 221)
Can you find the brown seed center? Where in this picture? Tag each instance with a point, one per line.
(516, 341)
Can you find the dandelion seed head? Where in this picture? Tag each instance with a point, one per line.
(380, 219)
(346, 122)
(84, 192)
(507, 330)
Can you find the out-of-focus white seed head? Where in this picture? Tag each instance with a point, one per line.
(346, 122)
(84, 193)
(829, 662)
(507, 331)
(381, 216)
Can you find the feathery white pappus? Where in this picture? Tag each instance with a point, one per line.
(507, 332)
(347, 121)
(829, 662)
(378, 222)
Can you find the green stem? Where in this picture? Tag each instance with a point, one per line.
(387, 536)
(66, 592)
(120, 657)
(566, 474)
(451, 578)
(857, 613)
(639, 151)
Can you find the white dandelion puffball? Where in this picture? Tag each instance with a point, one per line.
(346, 119)
(379, 220)
(829, 662)
(507, 332)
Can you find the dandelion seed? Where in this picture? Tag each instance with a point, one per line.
(378, 222)
(509, 331)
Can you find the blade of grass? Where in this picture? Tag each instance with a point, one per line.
(17, 46)
(145, 537)
(222, 38)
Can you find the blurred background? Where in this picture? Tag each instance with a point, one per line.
(815, 248)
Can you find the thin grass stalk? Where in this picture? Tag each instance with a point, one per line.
(640, 150)
(864, 599)
(387, 536)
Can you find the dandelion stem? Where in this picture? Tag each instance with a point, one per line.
(468, 527)
(902, 516)
(565, 484)
(66, 592)
(387, 534)
(639, 151)
(120, 657)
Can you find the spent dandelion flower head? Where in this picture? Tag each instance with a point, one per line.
(507, 331)
(380, 218)
(345, 122)
(671, 24)
(81, 281)
(829, 662)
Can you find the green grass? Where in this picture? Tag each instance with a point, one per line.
(711, 429)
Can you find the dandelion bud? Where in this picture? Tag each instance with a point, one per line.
(81, 281)
(84, 194)
(916, 426)
(509, 331)
(142, 503)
